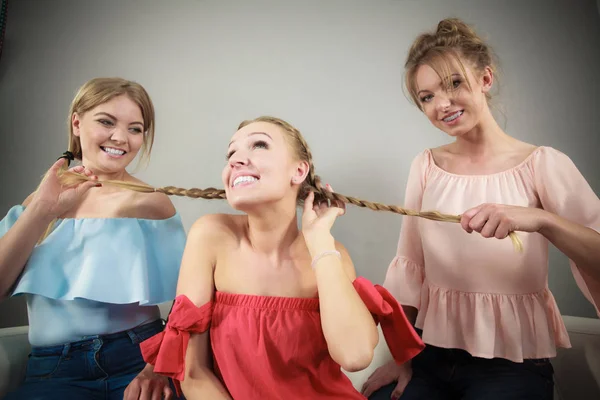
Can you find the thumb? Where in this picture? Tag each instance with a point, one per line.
(55, 168)
(58, 164)
(398, 390)
(465, 218)
(167, 393)
(308, 202)
(472, 211)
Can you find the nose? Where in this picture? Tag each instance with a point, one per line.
(119, 135)
(442, 102)
(238, 159)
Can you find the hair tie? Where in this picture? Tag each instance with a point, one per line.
(68, 156)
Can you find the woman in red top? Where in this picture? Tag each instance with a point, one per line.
(284, 307)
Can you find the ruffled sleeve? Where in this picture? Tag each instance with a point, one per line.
(563, 190)
(9, 220)
(403, 341)
(405, 275)
(109, 260)
(166, 350)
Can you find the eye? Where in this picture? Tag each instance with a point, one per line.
(456, 83)
(106, 122)
(426, 99)
(136, 130)
(229, 154)
(260, 144)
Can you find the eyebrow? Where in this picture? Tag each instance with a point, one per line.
(450, 77)
(113, 117)
(254, 133)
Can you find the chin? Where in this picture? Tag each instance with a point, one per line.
(456, 131)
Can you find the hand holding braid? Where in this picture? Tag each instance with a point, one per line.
(313, 185)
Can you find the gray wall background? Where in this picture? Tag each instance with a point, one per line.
(332, 68)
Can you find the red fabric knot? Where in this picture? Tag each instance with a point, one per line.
(403, 341)
(166, 350)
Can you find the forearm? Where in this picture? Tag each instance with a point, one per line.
(348, 326)
(579, 243)
(199, 381)
(203, 384)
(18, 243)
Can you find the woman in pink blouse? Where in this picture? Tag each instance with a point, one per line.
(486, 314)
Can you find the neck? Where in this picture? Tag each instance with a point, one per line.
(274, 229)
(485, 138)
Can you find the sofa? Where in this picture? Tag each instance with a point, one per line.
(577, 370)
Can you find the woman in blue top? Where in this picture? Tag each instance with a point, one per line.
(94, 261)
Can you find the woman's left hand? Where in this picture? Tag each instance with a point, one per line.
(317, 219)
(497, 220)
(148, 386)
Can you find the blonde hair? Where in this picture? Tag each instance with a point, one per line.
(98, 91)
(311, 184)
(452, 42)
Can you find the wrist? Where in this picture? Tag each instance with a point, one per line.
(319, 244)
(149, 368)
(40, 212)
(548, 221)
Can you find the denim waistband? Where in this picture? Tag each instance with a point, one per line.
(135, 335)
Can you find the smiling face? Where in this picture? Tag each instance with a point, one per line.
(110, 134)
(262, 167)
(457, 103)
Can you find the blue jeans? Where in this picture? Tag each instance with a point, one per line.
(449, 374)
(99, 368)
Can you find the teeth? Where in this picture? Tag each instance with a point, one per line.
(242, 179)
(453, 116)
(113, 151)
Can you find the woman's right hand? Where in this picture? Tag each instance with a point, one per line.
(386, 374)
(53, 198)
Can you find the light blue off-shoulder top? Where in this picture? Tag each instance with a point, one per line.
(95, 276)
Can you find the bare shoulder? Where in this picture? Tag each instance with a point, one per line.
(442, 151)
(526, 149)
(150, 205)
(217, 228)
(346, 260)
(441, 154)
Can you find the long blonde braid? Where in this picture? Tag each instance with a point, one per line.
(312, 184)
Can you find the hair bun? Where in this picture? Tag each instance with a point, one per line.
(455, 27)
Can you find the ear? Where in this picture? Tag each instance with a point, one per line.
(487, 79)
(300, 173)
(76, 123)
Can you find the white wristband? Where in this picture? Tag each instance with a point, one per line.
(324, 254)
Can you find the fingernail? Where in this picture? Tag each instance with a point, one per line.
(98, 184)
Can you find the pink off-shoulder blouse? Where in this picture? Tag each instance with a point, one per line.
(479, 294)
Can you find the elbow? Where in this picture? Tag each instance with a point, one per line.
(357, 360)
(361, 355)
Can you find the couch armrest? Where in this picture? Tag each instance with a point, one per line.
(577, 370)
(14, 350)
